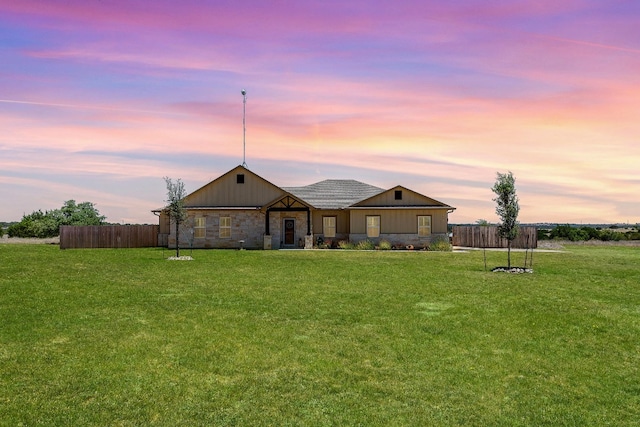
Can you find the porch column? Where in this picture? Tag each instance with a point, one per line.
(266, 223)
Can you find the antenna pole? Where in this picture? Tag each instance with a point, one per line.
(244, 127)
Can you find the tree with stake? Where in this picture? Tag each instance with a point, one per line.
(175, 207)
(507, 209)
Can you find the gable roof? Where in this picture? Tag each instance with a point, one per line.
(334, 193)
(328, 194)
(228, 191)
(408, 198)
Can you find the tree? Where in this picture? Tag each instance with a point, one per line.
(47, 224)
(175, 207)
(79, 214)
(507, 209)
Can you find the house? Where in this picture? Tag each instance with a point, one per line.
(242, 209)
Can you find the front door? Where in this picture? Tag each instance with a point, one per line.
(289, 232)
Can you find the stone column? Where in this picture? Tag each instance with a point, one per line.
(308, 241)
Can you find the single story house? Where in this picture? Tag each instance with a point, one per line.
(243, 210)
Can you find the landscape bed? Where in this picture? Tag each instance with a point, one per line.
(125, 337)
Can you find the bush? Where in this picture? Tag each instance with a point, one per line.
(610, 235)
(568, 232)
(47, 224)
(345, 244)
(574, 234)
(384, 245)
(440, 244)
(36, 224)
(544, 234)
(365, 245)
(633, 235)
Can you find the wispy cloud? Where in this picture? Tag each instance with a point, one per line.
(88, 107)
(432, 95)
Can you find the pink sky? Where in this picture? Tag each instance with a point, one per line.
(100, 99)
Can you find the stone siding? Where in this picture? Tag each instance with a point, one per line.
(246, 226)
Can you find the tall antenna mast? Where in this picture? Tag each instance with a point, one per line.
(244, 127)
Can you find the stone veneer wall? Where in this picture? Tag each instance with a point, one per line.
(246, 225)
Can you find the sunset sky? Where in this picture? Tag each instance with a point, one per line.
(100, 99)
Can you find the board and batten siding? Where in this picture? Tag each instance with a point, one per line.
(342, 221)
(226, 191)
(400, 221)
(408, 198)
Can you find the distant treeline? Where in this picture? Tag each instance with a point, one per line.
(583, 233)
(5, 225)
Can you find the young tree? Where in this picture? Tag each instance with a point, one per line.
(175, 207)
(507, 209)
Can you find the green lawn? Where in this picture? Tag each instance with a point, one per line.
(251, 338)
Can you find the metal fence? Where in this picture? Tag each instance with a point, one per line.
(108, 236)
(479, 236)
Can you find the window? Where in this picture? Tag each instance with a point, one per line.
(424, 225)
(398, 194)
(373, 226)
(225, 227)
(329, 226)
(199, 228)
(240, 178)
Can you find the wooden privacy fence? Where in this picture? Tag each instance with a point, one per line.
(108, 236)
(480, 236)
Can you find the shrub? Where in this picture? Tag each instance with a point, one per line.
(440, 244)
(610, 235)
(47, 224)
(585, 233)
(544, 234)
(569, 233)
(365, 245)
(384, 245)
(633, 235)
(345, 244)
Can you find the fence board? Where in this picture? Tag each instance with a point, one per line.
(108, 236)
(477, 236)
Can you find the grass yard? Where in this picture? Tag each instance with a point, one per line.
(318, 338)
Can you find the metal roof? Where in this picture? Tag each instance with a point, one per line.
(334, 193)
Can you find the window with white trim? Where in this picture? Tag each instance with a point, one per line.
(329, 226)
(200, 227)
(373, 226)
(225, 227)
(424, 225)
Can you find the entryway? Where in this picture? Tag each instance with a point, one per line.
(289, 232)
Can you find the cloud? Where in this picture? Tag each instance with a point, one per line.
(85, 107)
(433, 95)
